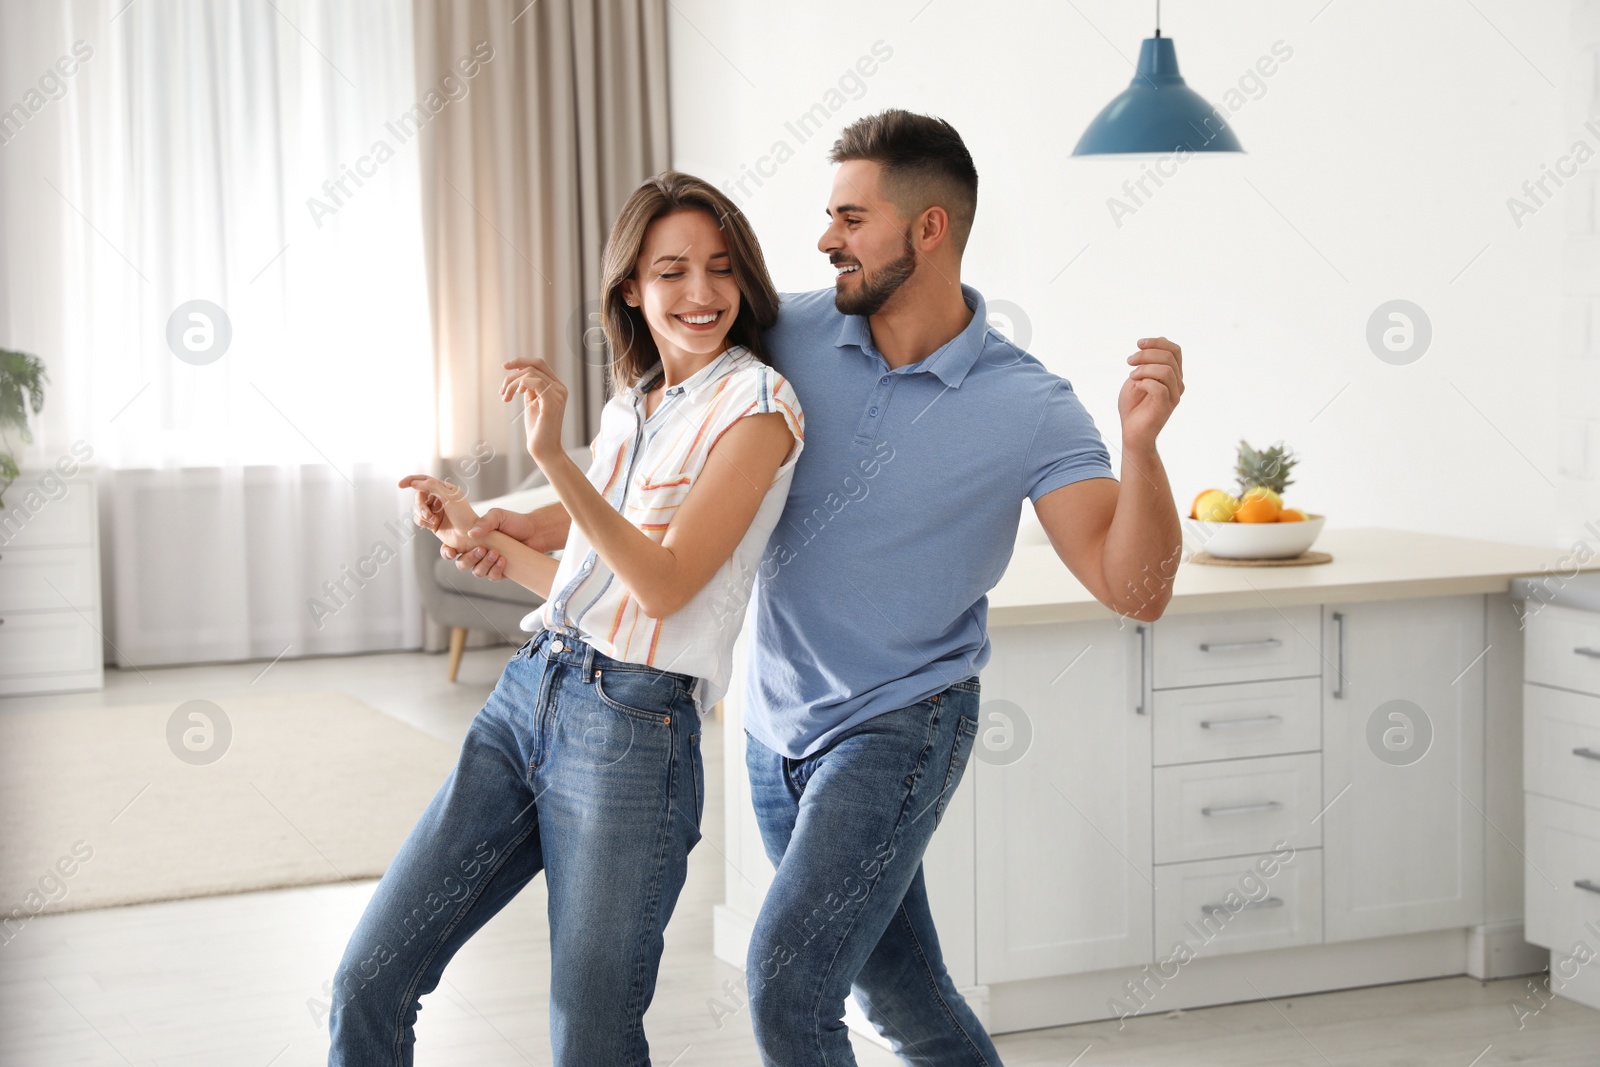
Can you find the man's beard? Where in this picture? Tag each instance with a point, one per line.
(877, 287)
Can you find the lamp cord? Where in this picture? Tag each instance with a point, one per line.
(1158, 18)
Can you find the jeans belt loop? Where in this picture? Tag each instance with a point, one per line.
(588, 662)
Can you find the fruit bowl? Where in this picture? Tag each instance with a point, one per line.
(1257, 540)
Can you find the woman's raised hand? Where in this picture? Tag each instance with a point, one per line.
(442, 508)
(544, 403)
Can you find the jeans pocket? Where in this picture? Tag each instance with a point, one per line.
(960, 752)
(699, 778)
(647, 695)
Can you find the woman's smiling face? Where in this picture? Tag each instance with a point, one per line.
(683, 282)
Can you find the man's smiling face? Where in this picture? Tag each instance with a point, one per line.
(866, 240)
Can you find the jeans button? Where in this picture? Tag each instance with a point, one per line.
(557, 646)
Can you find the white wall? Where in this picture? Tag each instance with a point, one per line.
(1381, 155)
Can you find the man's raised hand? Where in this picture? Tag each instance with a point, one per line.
(1150, 392)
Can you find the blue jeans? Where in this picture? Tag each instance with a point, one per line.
(581, 766)
(846, 829)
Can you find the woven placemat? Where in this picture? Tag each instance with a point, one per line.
(1303, 559)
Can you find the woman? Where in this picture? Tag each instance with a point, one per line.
(585, 762)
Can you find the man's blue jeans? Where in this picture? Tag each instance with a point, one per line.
(581, 766)
(846, 829)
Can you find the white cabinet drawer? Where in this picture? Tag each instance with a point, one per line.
(49, 642)
(1242, 904)
(47, 579)
(34, 518)
(1236, 807)
(1237, 646)
(1563, 851)
(1213, 722)
(1561, 745)
(1562, 648)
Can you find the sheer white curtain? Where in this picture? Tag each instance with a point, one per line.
(261, 158)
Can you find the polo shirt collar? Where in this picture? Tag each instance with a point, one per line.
(951, 362)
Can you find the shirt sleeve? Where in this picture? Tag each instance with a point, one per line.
(759, 390)
(1066, 445)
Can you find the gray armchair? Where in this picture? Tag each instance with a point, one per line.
(463, 602)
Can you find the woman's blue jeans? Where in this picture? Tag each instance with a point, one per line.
(580, 766)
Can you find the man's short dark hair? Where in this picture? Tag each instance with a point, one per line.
(924, 163)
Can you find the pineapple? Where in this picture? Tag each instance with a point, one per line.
(1268, 468)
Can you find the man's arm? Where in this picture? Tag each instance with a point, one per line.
(543, 530)
(1123, 540)
(443, 508)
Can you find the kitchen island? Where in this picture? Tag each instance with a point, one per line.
(1297, 779)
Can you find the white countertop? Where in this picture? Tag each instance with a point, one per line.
(1368, 564)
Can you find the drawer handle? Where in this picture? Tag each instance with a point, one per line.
(1588, 886)
(1223, 724)
(1586, 753)
(1143, 655)
(1265, 902)
(1265, 642)
(1338, 685)
(1243, 809)
(1586, 651)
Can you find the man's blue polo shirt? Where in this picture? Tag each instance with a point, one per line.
(873, 592)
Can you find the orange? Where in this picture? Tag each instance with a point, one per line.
(1291, 515)
(1257, 506)
(1194, 507)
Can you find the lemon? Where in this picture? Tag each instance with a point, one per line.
(1215, 506)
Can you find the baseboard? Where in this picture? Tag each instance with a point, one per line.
(1497, 950)
(1210, 981)
(1490, 951)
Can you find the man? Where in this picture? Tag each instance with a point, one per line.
(925, 429)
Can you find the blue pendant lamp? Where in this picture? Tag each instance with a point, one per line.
(1157, 112)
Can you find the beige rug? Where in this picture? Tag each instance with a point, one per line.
(101, 808)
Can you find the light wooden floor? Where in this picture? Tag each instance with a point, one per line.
(237, 981)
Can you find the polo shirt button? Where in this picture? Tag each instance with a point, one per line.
(884, 380)
(557, 646)
(872, 411)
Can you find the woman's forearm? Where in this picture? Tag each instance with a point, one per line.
(528, 567)
(643, 565)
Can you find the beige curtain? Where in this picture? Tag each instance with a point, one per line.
(537, 120)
